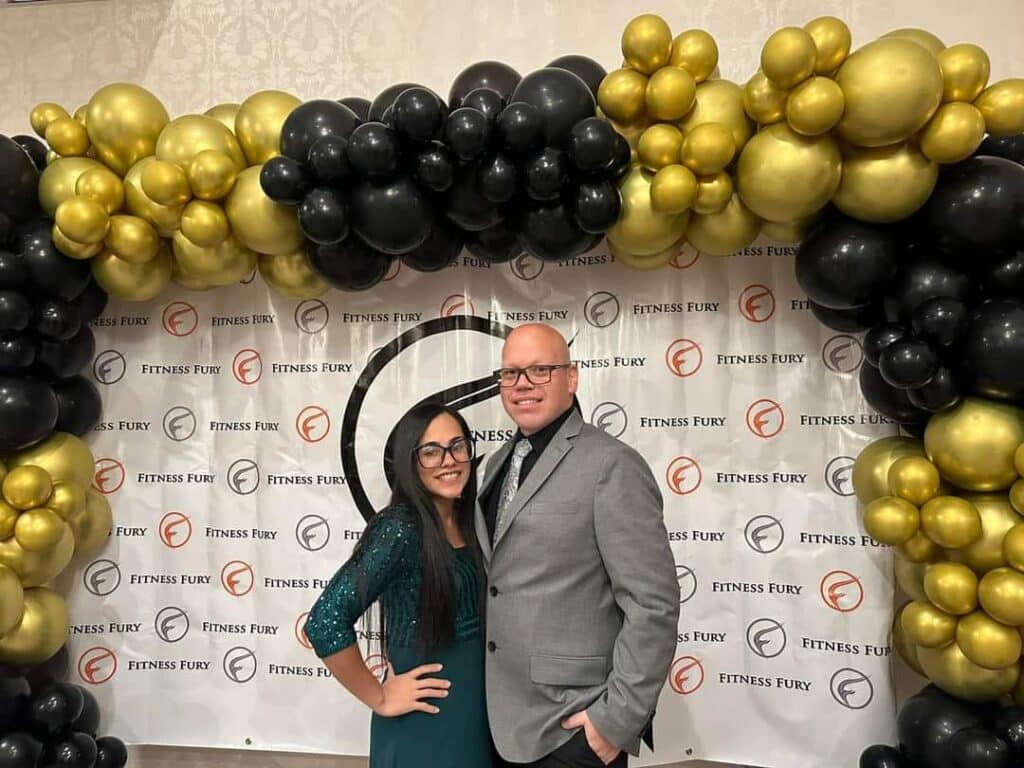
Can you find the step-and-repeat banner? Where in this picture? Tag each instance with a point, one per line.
(227, 452)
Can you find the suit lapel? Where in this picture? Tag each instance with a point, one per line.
(494, 464)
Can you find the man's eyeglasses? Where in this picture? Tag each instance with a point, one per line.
(431, 455)
(535, 374)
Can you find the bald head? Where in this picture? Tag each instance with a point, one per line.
(535, 404)
(535, 338)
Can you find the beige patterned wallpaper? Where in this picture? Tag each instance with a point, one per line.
(197, 53)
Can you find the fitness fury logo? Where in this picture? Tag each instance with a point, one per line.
(313, 424)
(851, 688)
(97, 665)
(757, 303)
(171, 624)
(102, 577)
(457, 304)
(683, 475)
(684, 357)
(175, 530)
(237, 578)
(842, 354)
(109, 475)
(685, 257)
(300, 631)
(686, 675)
(687, 582)
(601, 309)
(839, 475)
(240, 664)
(179, 423)
(764, 534)
(766, 638)
(109, 367)
(841, 591)
(243, 476)
(765, 418)
(180, 319)
(312, 532)
(610, 417)
(311, 316)
(525, 267)
(247, 367)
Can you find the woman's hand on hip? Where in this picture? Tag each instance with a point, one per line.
(406, 692)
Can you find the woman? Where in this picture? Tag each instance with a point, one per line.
(420, 558)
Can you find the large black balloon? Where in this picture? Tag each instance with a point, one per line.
(17, 353)
(941, 392)
(63, 359)
(882, 756)
(322, 216)
(597, 205)
(546, 173)
(19, 750)
(592, 145)
(1002, 280)
(308, 122)
(586, 69)
(78, 405)
(992, 361)
(978, 748)
(851, 320)
(520, 127)
(433, 167)
(468, 132)
(373, 149)
(888, 400)
(550, 233)
(940, 321)
(89, 720)
(284, 180)
(351, 265)
(13, 271)
(496, 244)
(56, 319)
(110, 752)
(14, 700)
(483, 74)
(393, 217)
(623, 157)
(880, 337)
(922, 280)
(418, 114)
(465, 203)
(562, 98)
(487, 101)
(54, 708)
(74, 750)
(28, 412)
(385, 99)
(498, 178)
(438, 251)
(845, 263)
(1009, 147)
(328, 159)
(91, 302)
(908, 363)
(978, 207)
(15, 312)
(53, 273)
(36, 150)
(359, 105)
(18, 181)
(927, 723)
(1009, 726)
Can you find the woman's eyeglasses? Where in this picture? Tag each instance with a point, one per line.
(535, 374)
(431, 455)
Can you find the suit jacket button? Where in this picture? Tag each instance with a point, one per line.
(491, 646)
(494, 591)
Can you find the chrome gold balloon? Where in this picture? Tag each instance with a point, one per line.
(92, 527)
(290, 275)
(951, 522)
(659, 146)
(102, 185)
(190, 135)
(951, 587)
(1013, 547)
(1002, 106)
(763, 101)
(165, 219)
(921, 37)
(1018, 459)
(212, 174)
(165, 184)
(965, 70)
(647, 43)
(670, 94)
(788, 231)
(622, 96)
(673, 189)
(38, 529)
(986, 642)
(1001, 594)
(707, 149)
(132, 239)
(224, 264)
(224, 114)
(204, 224)
(67, 500)
(788, 57)
(884, 184)
(45, 113)
(973, 443)
(82, 220)
(713, 194)
(927, 626)
(58, 181)
(8, 518)
(870, 476)
(64, 456)
(124, 122)
(910, 577)
(649, 261)
(997, 517)
(919, 549)
(953, 134)
(891, 520)
(914, 478)
(720, 234)
(40, 633)
(67, 137)
(133, 281)
(259, 121)
(187, 280)
(36, 568)
(12, 600)
(814, 106)
(695, 51)
(957, 675)
(25, 487)
(720, 101)
(641, 230)
(903, 645)
(832, 41)
(1017, 496)
(258, 222)
(72, 249)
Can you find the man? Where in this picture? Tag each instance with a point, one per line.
(582, 597)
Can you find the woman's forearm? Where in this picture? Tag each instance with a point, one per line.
(350, 669)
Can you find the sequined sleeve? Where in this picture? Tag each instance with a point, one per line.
(380, 558)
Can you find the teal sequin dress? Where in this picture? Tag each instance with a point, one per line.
(386, 566)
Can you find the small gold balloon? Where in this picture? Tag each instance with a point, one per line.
(186, 137)
(919, 549)
(25, 487)
(953, 134)
(921, 37)
(783, 176)
(914, 478)
(892, 87)
(927, 626)
(224, 264)
(12, 600)
(884, 184)
(224, 114)
(641, 230)
(165, 184)
(673, 189)
(713, 194)
(8, 517)
(1001, 594)
(788, 231)
(832, 41)
(951, 587)
(92, 527)
(965, 70)
(133, 281)
(659, 146)
(647, 43)
(997, 518)
(38, 529)
(1018, 459)
(670, 94)
(211, 175)
(204, 224)
(951, 522)
(954, 673)
(44, 114)
(71, 248)
(870, 476)
(58, 182)
(1002, 106)
(910, 577)
(622, 96)
(764, 101)
(65, 457)
(1017, 496)
(648, 261)
(891, 520)
(720, 234)
(35, 568)
(132, 239)
(41, 631)
(67, 500)
(1013, 547)
(973, 443)
(124, 122)
(788, 57)
(165, 219)
(290, 275)
(102, 185)
(986, 642)
(720, 101)
(67, 137)
(259, 121)
(258, 222)
(815, 106)
(82, 220)
(707, 149)
(695, 51)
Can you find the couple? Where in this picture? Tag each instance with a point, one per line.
(558, 589)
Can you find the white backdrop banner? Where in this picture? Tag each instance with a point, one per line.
(241, 447)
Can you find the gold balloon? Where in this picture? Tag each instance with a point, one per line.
(921, 37)
(212, 174)
(695, 51)
(71, 248)
(973, 443)
(64, 456)
(165, 219)
(45, 113)
(788, 231)
(951, 522)
(258, 222)
(648, 261)
(965, 70)
(82, 220)
(67, 137)
(92, 527)
(788, 57)
(673, 189)
(951, 587)
(832, 41)
(764, 101)
(707, 149)
(927, 626)
(41, 631)
(224, 264)
(914, 478)
(25, 487)
(133, 281)
(102, 185)
(1017, 496)
(647, 43)
(622, 96)
(997, 517)
(910, 577)
(892, 87)
(815, 106)
(67, 500)
(1018, 459)
(884, 184)
(165, 184)
(986, 642)
(204, 224)
(224, 114)
(58, 182)
(259, 121)
(35, 568)
(12, 600)
(1013, 547)
(784, 176)
(919, 549)
(720, 101)
(1001, 594)
(184, 138)
(659, 146)
(870, 476)
(903, 644)
(290, 275)
(670, 94)
(891, 520)
(8, 518)
(953, 134)
(726, 232)
(38, 529)
(1002, 106)
(631, 133)
(713, 194)
(124, 122)
(641, 230)
(187, 280)
(954, 673)
(132, 239)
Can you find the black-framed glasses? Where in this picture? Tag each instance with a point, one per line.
(535, 374)
(431, 455)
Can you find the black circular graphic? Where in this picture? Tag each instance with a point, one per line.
(766, 638)
(171, 624)
(240, 664)
(610, 417)
(312, 532)
(851, 688)
(179, 423)
(839, 475)
(243, 476)
(102, 577)
(601, 309)
(764, 534)
(109, 367)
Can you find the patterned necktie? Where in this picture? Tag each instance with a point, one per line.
(510, 484)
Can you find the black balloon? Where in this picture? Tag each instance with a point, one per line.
(308, 122)
(322, 216)
(89, 720)
(53, 273)
(110, 752)
(483, 74)
(520, 127)
(91, 302)
(1009, 726)
(550, 233)
(882, 756)
(886, 399)
(498, 178)
(36, 150)
(13, 271)
(940, 321)
(438, 251)
(328, 159)
(465, 203)
(418, 114)
(54, 708)
(18, 181)
(385, 99)
(14, 700)
(63, 359)
(586, 69)
(908, 363)
(58, 320)
(922, 280)
(623, 157)
(1009, 147)
(28, 412)
(19, 750)
(977, 748)
(496, 244)
(359, 105)
(15, 312)
(562, 98)
(992, 353)
(78, 405)
(373, 150)
(880, 337)
(53, 670)
(284, 180)
(17, 353)
(76, 750)
(467, 132)
(593, 144)
(486, 101)
(351, 265)
(597, 205)
(546, 173)
(927, 723)
(1003, 280)
(433, 167)
(393, 217)
(941, 392)
(851, 320)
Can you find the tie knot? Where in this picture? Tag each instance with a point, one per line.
(523, 447)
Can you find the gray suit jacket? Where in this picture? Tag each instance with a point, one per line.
(582, 601)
